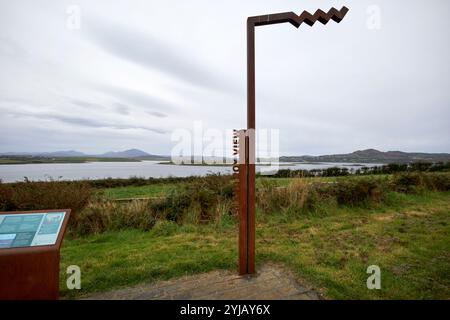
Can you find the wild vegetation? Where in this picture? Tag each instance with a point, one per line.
(207, 199)
(326, 229)
(44, 195)
(407, 235)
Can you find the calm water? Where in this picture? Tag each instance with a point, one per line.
(146, 169)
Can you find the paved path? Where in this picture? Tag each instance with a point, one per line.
(272, 282)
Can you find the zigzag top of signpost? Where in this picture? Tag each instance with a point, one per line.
(297, 20)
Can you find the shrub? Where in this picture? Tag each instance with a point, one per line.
(408, 182)
(358, 191)
(203, 194)
(6, 193)
(45, 195)
(335, 172)
(438, 181)
(175, 204)
(289, 173)
(209, 192)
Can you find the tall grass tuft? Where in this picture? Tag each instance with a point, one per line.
(201, 195)
(101, 216)
(298, 196)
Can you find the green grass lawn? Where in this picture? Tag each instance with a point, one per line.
(147, 191)
(408, 238)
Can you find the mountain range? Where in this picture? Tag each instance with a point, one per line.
(363, 156)
(127, 154)
(372, 156)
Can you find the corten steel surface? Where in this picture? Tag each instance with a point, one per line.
(32, 273)
(246, 167)
(240, 168)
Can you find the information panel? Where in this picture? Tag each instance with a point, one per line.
(30, 229)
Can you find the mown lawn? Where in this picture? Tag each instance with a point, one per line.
(408, 237)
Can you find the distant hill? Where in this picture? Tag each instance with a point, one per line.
(361, 156)
(127, 154)
(154, 157)
(131, 153)
(57, 154)
(372, 156)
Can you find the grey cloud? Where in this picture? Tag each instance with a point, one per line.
(157, 114)
(86, 104)
(150, 52)
(329, 89)
(83, 122)
(121, 108)
(133, 97)
(125, 110)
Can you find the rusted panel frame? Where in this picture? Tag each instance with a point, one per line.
(32, 273)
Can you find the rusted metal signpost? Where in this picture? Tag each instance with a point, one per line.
(244, 140)
(30, 243)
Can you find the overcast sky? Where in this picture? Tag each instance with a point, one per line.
(137, 70)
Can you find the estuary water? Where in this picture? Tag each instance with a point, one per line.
(145, 169)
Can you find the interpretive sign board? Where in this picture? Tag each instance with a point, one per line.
(29, 253)
(29, 230)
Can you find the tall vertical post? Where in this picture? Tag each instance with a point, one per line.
(250, 159)
(246, 166)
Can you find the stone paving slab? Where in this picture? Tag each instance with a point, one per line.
(272, 282)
